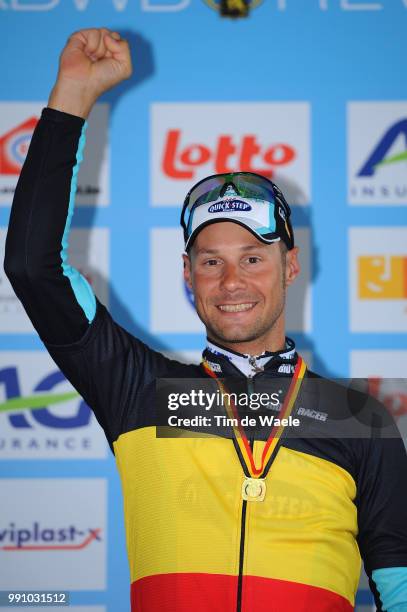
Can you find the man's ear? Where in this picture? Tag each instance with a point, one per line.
(187, 270)
(292, 266)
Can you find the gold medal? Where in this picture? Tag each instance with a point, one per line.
(254, 489)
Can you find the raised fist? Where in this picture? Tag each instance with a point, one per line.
(92, 61)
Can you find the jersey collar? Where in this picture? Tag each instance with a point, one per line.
(225, 362)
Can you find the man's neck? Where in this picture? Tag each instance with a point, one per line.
(247, 349)
(270, 344)
(248, 364)
(271, 341)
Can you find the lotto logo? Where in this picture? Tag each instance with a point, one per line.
(14, 146)
(191, 141)
(228, 155)
(382, 277)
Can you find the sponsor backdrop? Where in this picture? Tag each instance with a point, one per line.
(310, 94)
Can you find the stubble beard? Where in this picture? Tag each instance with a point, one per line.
(258, 330)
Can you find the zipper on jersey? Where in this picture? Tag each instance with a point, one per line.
(270, 454)
(241, 557)
(250, 389)
(241, 549)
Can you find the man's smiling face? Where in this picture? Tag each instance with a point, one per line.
(239, 284)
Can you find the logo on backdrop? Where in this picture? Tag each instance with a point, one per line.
(40, 537)
(382, 277)
(194, 140)
(160, 6)
(17, 123)
(384, 374)
(377, 152)
(392, 392)
(229, 154)
(380, 157)
(378, 277)
(41, 414)
(55, 542)
(233, 8)
(14, 146)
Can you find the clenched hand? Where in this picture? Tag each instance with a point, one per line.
(93, 61)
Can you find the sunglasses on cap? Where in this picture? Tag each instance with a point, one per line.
(246, 198)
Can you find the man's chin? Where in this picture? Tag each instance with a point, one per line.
(235, 335)
(231, 332)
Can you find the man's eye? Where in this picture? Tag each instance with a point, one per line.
(211, 262)
(253, 259)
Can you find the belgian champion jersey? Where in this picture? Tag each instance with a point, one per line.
(198, 535)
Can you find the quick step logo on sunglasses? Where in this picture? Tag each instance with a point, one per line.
(192, 140)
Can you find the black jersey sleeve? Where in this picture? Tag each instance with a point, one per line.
(382, 513)
(57, 299)
(110, 368)
(105, 363)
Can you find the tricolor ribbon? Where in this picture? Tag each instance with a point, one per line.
(276, 431)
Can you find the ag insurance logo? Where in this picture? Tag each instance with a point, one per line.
(192, 140)
(378, 276)
(377, 153)
(53, 534)
(17, 123)
(41, 415)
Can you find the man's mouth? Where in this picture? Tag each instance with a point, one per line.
(236, 307)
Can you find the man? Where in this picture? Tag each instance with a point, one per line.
(232, 519)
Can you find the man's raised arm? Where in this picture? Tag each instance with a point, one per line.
(77, 330)
(57, 298)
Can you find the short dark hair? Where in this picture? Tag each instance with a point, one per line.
(283, 250)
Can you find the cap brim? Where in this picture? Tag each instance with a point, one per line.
(268, 238)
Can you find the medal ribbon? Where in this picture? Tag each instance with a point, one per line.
(277, 430)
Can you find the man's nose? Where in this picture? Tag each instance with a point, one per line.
(232, 278)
